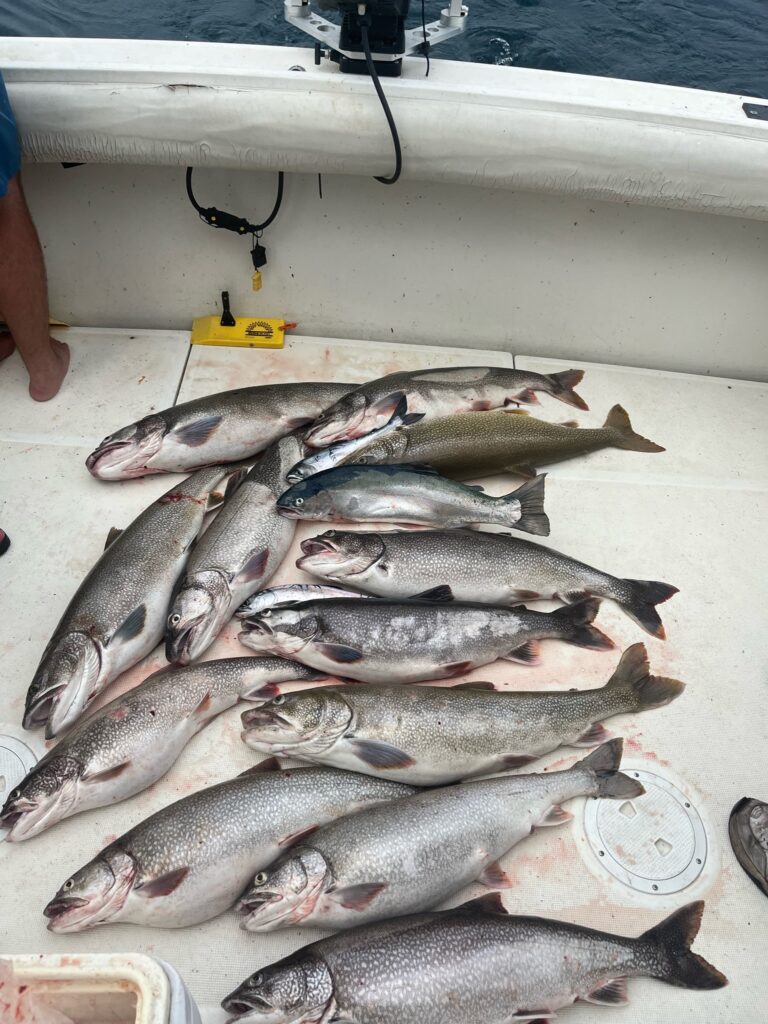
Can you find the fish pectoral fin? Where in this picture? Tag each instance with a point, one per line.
(495, 877)
(253, 569)
(164, 885)
(488, 903)
(475, 684)
(456, 668)
(388, 405)
(556, 815)
(106, 774)
(296, 837)
(132, 626)
(528, 653)
(517, 760)
(215, 500)
(593, 736)
(441, 593)
(358, 897)
(114, 533)
(197, 432)
(613, 993)
(203, 707)
(381, 755)
(340, 653)
(295, 422)
(522, 469)
(269, 764)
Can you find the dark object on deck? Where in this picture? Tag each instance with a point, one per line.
(748, 831)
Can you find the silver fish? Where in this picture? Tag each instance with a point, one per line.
(118, 613)
(489, 567)
(411, 494)
(124, 747)
(438, 392)
(430, 735)
(408, 641)
(472, 963)
(238, 553)
(190, 861)
(291, 593)
(411, 855)
(224, 427)
(343, 451)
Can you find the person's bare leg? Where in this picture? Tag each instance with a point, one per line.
(24, 297)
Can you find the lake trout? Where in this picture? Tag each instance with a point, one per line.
(118, 613)
(191, 860)
(124, 747)
(469, 964)
(468, 446)
(290, 593)
(412, 854)
(238, 553)
(408, 641)
(411, 494)
(224, 427)
(438, 392)
(430, 735)
(471, 566)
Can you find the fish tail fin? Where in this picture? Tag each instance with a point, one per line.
(633, 679)
(577, 620)
(604, 762)
(673, 938)
(641, 606)
(563, 384)
(533, 518)
(618, 421)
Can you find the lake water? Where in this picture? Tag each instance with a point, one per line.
(708, 44)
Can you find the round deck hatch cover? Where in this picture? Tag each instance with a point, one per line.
(16, 760)
(654, 843)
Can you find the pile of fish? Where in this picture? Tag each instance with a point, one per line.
(412, 792)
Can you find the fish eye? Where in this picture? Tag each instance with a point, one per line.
(256, 979)
(261, 878)
(175, 619)
(298, 501)
(15, 794)
(266, 613)
(68, 884)
(280, 699)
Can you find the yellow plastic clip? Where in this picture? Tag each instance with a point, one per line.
(256, 280)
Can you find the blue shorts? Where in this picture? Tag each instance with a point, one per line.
(10, 154)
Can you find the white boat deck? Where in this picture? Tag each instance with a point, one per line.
(693, 516)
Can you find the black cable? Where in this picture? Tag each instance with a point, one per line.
(425, 44)
(387, 112)
(218, 219)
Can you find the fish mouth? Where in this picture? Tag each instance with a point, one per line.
(11, 816)
(240, 1008)
(288, 511)
(318, 546)
(105, 463)
(253, 718)
(39, 711)
(259, 899)
(62, 904)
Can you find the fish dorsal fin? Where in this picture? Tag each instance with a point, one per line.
(114, 533)
(490, 903)
(269, 764)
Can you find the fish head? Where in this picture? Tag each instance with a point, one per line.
(343, 421)
(340, 554)
(296, 990)
(196, 616)
(66, 681)
(125, 454)
(309, 720)
(284, 630)
(94, 894)
(286, 892)
(309, 499)
(41, 799)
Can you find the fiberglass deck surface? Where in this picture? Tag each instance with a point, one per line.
(692, 516)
